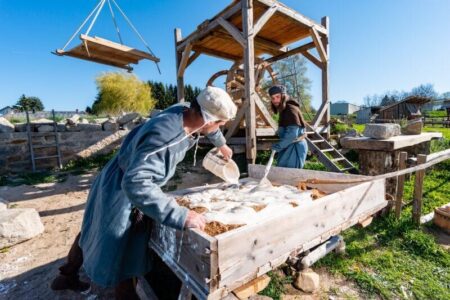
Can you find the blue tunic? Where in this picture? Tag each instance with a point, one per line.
(291, 155)
(112, 251)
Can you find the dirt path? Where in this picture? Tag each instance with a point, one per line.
(27, 269)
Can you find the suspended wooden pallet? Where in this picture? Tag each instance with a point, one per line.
(106, 52)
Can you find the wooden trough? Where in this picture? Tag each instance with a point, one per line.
(106, 52)
(212, 267)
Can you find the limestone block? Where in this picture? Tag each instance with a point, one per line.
(45, 128)
(110, 125)
(382, 131)
(6, 126)
(18, 225)
(84, 121)
(73, 120)
(307, 280)
(129, 126)
(127, 118)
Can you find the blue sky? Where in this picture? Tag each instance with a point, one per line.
(375, 46)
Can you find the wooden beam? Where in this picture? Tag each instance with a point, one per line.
(252, 288)
(320, 47)
(418, 190)
(235, 33)
(192, 58)
(235, 123)
(295, 16)
(260, 43)
(249, 74)
(216, 53)
(319, 115)
(180, 79)
(400, 184)
(208, 25)
(264, 18)
(313, 59)
(325, 78)
(294, 51)
(265, 113)
(184, 60)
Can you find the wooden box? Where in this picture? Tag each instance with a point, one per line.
(212, 267)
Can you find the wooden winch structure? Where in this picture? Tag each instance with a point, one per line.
(253, 34)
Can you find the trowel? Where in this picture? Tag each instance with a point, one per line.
(265, 183)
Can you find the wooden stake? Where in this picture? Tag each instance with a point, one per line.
(418, 190)
(325, 79)
(249, 74)
(180, 80)
(400, 184)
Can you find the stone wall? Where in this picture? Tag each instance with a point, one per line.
(15, 153)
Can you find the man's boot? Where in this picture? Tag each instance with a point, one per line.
(68, 278)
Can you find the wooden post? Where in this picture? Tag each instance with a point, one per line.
(418, 190)
(178, 56)
(325, 88)
(249, 73)
(400, 184)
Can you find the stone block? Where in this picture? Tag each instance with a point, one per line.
(18, 225)
(73, 120)
(382, 131)
(127, 118)
(307, 281)
(89, 127)
(45, 128)
(110, 125)
(130, 126)
(6, 126)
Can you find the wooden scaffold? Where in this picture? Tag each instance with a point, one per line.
(253, 34)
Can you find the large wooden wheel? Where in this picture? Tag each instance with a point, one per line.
(235, 82)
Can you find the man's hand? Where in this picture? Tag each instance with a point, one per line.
(195, 220)
(226, 152)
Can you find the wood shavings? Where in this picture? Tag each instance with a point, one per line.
(301, 186)
(293, 204)
(215, 228)
(183, 202)
(200, 209)
(316, 194)
(259, 207)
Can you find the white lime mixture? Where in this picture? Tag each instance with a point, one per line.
(236, 205)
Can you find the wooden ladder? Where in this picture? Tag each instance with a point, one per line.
(328, 155)
(33, 147)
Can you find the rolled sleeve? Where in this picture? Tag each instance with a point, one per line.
(216, 138)
(289, 136)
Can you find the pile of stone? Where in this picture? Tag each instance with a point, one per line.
(18, 224)
(76, 123)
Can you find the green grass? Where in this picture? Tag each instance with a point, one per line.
(436, 114)
(359, 127)
(445, 131)
(276, 285)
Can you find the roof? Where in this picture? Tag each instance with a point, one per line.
(284, 27)
(419, 100)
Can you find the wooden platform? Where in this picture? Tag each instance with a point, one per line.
(215, 266)
(390, 144)
(106, 52)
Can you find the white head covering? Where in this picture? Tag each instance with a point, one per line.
(216, 104)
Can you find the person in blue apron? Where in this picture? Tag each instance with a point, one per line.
(292, 147)
(113, 243)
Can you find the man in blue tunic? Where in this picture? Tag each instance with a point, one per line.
(292, 147)
(109, 246)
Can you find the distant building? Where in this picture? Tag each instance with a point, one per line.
(6, 110)
(343, 108)
(437, 104)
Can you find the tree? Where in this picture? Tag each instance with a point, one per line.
(119, 92)
(29, 103)
(292, 74)
(424, 90)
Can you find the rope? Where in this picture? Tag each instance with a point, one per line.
(82, 25)
(445, 155)
(137, 32)
(95, 17)
(114, 20)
